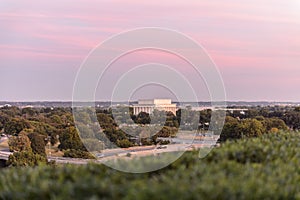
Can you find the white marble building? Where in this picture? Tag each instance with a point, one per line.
(150, 105)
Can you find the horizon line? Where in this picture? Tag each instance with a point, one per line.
(70, 101)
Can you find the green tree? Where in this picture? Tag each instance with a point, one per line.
(37, 143)
(167, 132)
(275, 123)
(143, 118)
(251, 128)
(29, 112)
(56, 119)
(292, 119)
(15, 126)
(106, 121)
(12, 111)
(73, 153)
(19, 143)
(124, 143)
(3, 120)
(70, 139)
(230, 129)
(43, 128)
(25, 158)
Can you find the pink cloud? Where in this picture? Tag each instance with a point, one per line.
(241, 36)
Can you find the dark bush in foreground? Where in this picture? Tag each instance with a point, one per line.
(258, 168)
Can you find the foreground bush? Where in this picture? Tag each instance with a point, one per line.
(258, 168)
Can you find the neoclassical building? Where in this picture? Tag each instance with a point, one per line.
(151, 104)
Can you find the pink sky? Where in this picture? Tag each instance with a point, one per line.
(255, 44)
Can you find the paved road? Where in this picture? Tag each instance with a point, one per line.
(114, 153)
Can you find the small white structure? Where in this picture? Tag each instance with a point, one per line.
(149, 105)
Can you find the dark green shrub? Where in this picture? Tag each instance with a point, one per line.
(124, 143)
(37, 143)
(25, 158)
(72, 153)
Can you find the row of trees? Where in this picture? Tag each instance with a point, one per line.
(235, 128)
(29, 149)
(290, 115)
(56, 125)
(30, 130)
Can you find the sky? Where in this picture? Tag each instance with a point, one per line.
(255, 44)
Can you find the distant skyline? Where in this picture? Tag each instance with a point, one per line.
(255, 44)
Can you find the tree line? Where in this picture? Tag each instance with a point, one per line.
(31, 129)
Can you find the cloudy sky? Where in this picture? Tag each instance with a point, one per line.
(254, 43)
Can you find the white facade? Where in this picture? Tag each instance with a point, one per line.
(149, 105)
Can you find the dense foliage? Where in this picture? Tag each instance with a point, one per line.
(19, 143)
(57, 125)
(72, 153)
(235, 128)
(266, 167)
(37, 143)
(25, 158)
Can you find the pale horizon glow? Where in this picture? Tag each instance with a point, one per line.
(255, 44)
